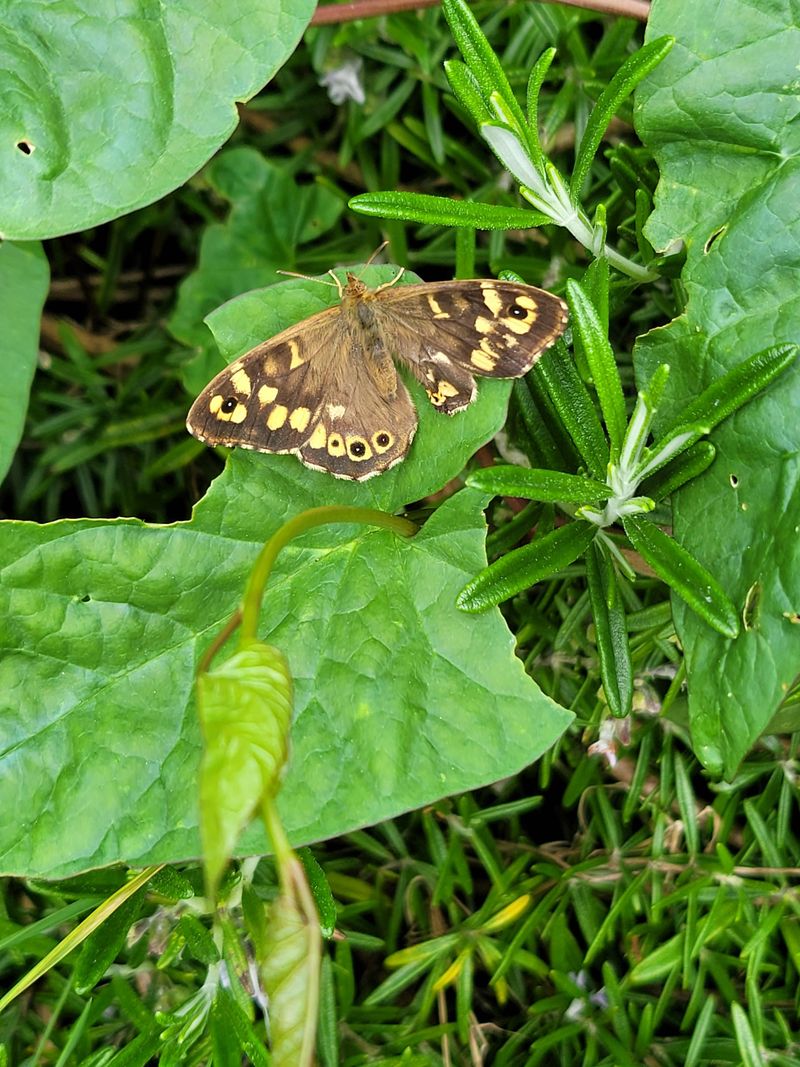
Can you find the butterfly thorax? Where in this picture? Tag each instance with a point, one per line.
(356, 301)
(359, 305)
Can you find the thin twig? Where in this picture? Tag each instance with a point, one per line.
(226, 631)
(365, 9)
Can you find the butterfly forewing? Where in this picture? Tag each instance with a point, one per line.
(451, 332)
(268, 399)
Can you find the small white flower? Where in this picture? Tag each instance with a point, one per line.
(344, 82)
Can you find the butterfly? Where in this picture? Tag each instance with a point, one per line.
(328, 388)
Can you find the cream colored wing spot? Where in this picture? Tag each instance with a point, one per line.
(358, 448)
(277, 417)
(237, 413)
(509, 340)
(266, 394)
(296, 360)
(270, 366)
(479, 359)
(318, 437)
(336, 446)
(527, 302)
(492, 299)
(227, 408)
(519, 326)
(382, 441)
(436, 308)
(335, 411)
(441, 357)
(241, 382)
(443, 390)
(484, 325)
(299, 419)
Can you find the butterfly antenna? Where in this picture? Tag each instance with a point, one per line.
(376, 253)
(311, 278)
(392, 281)
(337, 283)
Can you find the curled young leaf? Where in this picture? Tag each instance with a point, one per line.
(535, 83)
(290, 972)
(680, 470)
(587, 325)
(621, 85)
(480, 58)
(546, 485)
(574, 405)
(740, 384)
(611, 630)
(245, 707)
(467, 89)
(441, 211)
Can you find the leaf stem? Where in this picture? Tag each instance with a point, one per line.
(281, 848)
(361, 9)
(306, 520)
(219, 641)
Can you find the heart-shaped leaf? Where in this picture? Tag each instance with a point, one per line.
(400, 698)
(24, 277)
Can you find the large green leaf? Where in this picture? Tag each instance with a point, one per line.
(721, 115)
(109, 107)
(400, 698)
(24, 277)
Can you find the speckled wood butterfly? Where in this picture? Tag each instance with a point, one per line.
(328, 389)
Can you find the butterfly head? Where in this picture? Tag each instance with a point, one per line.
(354, 288)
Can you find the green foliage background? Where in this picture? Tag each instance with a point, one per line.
(656, 913)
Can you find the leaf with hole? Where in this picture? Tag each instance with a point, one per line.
(106, 114)
(733, 172)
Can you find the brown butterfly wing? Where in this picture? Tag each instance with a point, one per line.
(324, 389)
(447, 333)
(268, 399)
(360, 431)
(327, 390)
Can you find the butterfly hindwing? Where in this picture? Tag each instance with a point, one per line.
(360, 432)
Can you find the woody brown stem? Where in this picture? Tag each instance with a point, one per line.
(364, 9)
